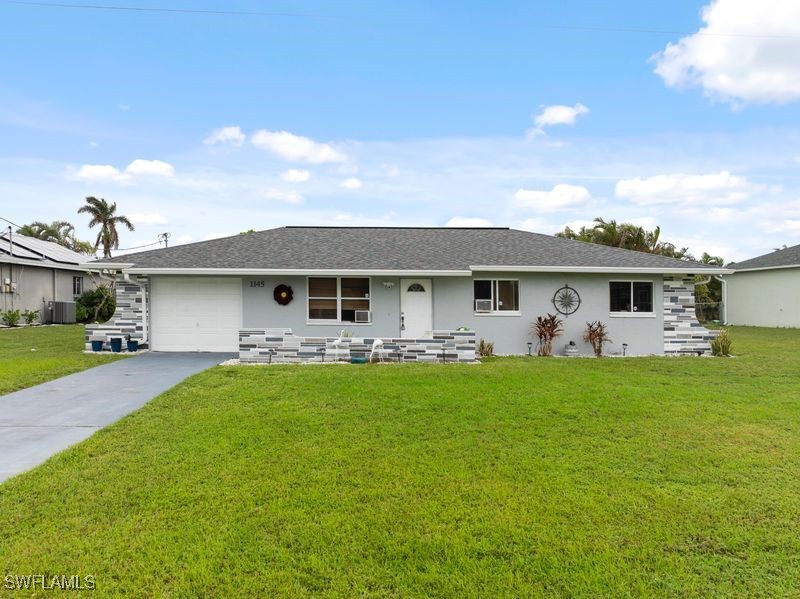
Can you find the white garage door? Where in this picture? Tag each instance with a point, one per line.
(195, 313)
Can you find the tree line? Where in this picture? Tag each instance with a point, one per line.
(634, 237)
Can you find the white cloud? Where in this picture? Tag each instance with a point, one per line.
(93, 144)
(562, 197)
(296, 148)
(140, 218)
(747, 52)
(280, 195)
(296, 175)
(468, 221)
(230, 135)
(577, 225)
(351, 183)
(182, 239)
(391, 170)
(558, 114)
(712, 189)
(154, 168)
(98, 173)
(124, 107)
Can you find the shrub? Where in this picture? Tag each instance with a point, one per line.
(596, 335)
(95, 305)
(546, 329)
(30, 316)
(721, 345)
(485, 348)
(11, 318)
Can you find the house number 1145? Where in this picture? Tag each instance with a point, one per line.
(257, 284)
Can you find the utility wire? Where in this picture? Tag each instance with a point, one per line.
(11, 222)
(601, 29)
(166, 10)
(137, 247)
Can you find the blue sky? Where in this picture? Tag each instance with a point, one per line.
(423, 113)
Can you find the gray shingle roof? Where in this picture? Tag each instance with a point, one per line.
(388, 248)
(785, 257)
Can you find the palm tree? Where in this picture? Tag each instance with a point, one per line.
(104, 214)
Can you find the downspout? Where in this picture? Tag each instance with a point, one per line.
(724, 312)
(145, 320)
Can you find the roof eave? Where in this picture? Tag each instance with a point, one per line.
(142, 270)
(605, 269)
(758, 268)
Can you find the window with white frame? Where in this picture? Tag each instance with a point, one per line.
(631, 296)
(77, 286)
(339, 299)
(494, 295)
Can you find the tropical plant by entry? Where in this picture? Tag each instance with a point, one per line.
(596, 335)
(105, 215)
(721, 345)
(546, 329)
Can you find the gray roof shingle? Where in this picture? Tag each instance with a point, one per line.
(389, 248)
(785, 257)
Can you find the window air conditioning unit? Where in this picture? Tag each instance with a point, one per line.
(483, 305)
(363, 316)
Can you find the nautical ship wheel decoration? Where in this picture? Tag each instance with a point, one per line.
(566, 300)
(283, 294)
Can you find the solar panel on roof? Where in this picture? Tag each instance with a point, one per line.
(38, 249)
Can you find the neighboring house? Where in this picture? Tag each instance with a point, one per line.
(34, 274)
(765, 291)
(398, 283)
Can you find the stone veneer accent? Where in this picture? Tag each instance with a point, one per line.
(683, 334)
(129, 316)
(281, 346)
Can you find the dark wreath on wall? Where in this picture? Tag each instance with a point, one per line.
(283, 294)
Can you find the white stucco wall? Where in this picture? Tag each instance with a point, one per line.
(764, 298)
(453, 308)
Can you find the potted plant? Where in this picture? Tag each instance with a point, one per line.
(116, 344)
(97, 344)
(133, 344)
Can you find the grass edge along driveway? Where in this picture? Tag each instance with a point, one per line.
(33, 355)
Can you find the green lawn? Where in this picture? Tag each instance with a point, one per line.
(58, 352)
(526, 476)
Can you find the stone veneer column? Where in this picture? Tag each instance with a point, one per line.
(683, 334)
(130, 316)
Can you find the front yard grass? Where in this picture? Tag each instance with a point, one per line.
(517, 477)
(33, 355)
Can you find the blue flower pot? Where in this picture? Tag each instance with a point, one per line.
(97, 345)
(133, 345)
(116, 344)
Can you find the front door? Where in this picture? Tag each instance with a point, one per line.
(416, 307)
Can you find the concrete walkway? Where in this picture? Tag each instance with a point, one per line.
(39, 421)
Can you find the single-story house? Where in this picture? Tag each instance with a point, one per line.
(765, 291)
(402, 283)
(41, 275)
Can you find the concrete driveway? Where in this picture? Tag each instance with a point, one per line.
(39, 421)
